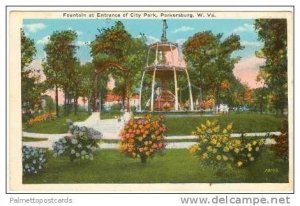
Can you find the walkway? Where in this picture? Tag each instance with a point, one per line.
(171, 145)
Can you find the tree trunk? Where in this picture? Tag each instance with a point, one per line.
(56, 100)
(75, 103)
(65, 102)
(143, 158)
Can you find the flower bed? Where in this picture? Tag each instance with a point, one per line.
(40, 118)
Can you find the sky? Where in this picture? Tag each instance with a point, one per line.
(178, 31)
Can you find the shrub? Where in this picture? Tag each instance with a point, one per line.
(282, 142)
(40, 118)
(81, 144)
(33, 160)
(143, 137)
(217, 148)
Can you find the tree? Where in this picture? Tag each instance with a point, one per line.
(273, 32)
(260, 100)
(60, 62)
(115, 48)
(210, 61)
(30, 86)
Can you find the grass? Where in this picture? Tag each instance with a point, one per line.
(55, 126)
(242, 122)
(177, 124)
(175, 166)
(31, 139)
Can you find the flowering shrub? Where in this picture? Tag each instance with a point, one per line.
(143, 137)
(33, 159)
(216, 147)
(40, 118)
(82, 143)
(207, 104)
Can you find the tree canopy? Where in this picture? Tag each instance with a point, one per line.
(273, 32)
(211, 63)
(60, 61)
(114, 47)
(30, 85)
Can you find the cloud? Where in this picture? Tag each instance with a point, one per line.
(34, 27)
(247, 70)
(151, 39)
(77, 31)
(180, 41)
(82, 43)
(244, 28)
(43, 40)
(183, 29)
(251, 43)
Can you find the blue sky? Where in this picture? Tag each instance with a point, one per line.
(178, 31)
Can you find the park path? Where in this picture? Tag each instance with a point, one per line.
(171, 145)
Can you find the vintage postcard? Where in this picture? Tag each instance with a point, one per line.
(150, 99)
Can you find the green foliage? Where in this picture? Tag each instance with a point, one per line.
(49, 104)
(282, 142)
(31, 87)
(175, 166)
(33, 160)
(28, 50)
(80, 145)
(55, 126)
(210, 62)
(115, 48)
(273, 32)
(60, 62)
(216, 147)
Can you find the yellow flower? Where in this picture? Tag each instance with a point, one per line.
(225, 158)
(256, 149)
(239, 163)
(236, 150)
(216, 129)
(219, 157)
(226, 149)
(208, 123)
(213, 141)
(229, 126)
(251, 159)
(209, 148)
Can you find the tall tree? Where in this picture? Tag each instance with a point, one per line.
(273, 32)
(60, 62)
(210, 61)
(115, 48)
(30, 86)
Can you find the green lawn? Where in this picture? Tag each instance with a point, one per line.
(55, 126)
(31, 139)
(175, 166)
(242, 122)
(178, 124)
